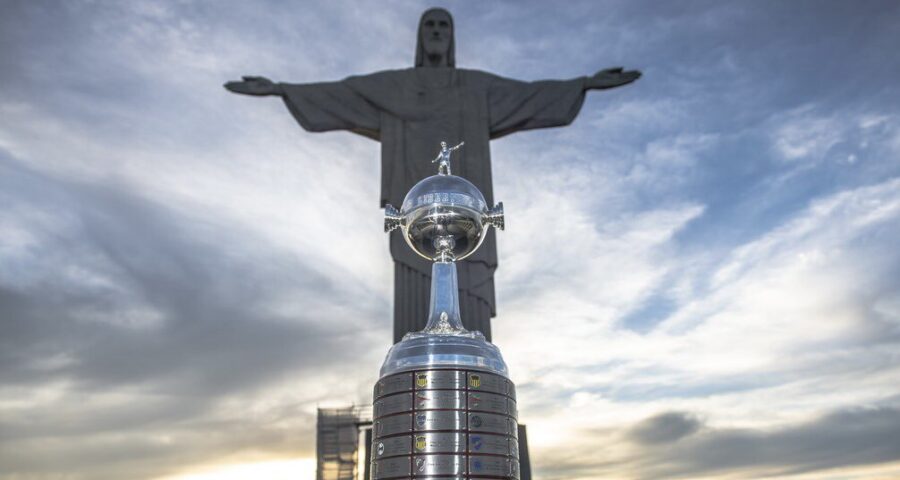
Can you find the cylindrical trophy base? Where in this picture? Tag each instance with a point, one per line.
(443, 424)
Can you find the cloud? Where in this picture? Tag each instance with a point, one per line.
(840, 439)
(679, 445)
(773, 328)
(665, 428)
(808, 137)
(155, 324)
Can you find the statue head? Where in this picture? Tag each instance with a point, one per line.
(435, 46)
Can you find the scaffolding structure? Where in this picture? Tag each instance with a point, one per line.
(337, 441)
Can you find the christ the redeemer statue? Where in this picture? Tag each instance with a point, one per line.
(410, 112)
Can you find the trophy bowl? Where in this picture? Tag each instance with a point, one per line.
(444, 217)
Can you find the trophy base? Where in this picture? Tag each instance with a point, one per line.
(467, 350)
(449, 422)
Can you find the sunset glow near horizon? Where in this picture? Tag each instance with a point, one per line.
(699, 278)
(303, 469)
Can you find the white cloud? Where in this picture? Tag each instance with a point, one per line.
(808, 136)
(780, 316)
(811, 135)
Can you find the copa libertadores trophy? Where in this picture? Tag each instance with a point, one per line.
(444, 405)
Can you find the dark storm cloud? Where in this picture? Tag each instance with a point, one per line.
(208, 334)
(208, 294)
(665, 428)
(679, 445)
(674, 448)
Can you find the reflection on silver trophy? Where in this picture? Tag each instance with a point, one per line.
(444, 217)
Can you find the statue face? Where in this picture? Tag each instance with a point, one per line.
(437, 31)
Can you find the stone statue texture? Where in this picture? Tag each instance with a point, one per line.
(412, 110)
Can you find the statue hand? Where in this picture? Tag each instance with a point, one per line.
(259, 86)
(611, 78)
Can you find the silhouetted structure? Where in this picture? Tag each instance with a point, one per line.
(409, 111)
(337, 441)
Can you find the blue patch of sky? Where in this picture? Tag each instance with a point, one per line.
(649, 313)
(745, 69)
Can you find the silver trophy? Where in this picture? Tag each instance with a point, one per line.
(444, 405)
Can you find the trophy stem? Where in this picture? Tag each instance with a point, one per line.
(443, 315)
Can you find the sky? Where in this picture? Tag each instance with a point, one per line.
(699, 277)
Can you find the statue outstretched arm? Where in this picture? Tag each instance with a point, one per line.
(320, 107)
(611, 78)
(258, 86)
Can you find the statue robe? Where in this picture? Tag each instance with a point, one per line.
(410, 112)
